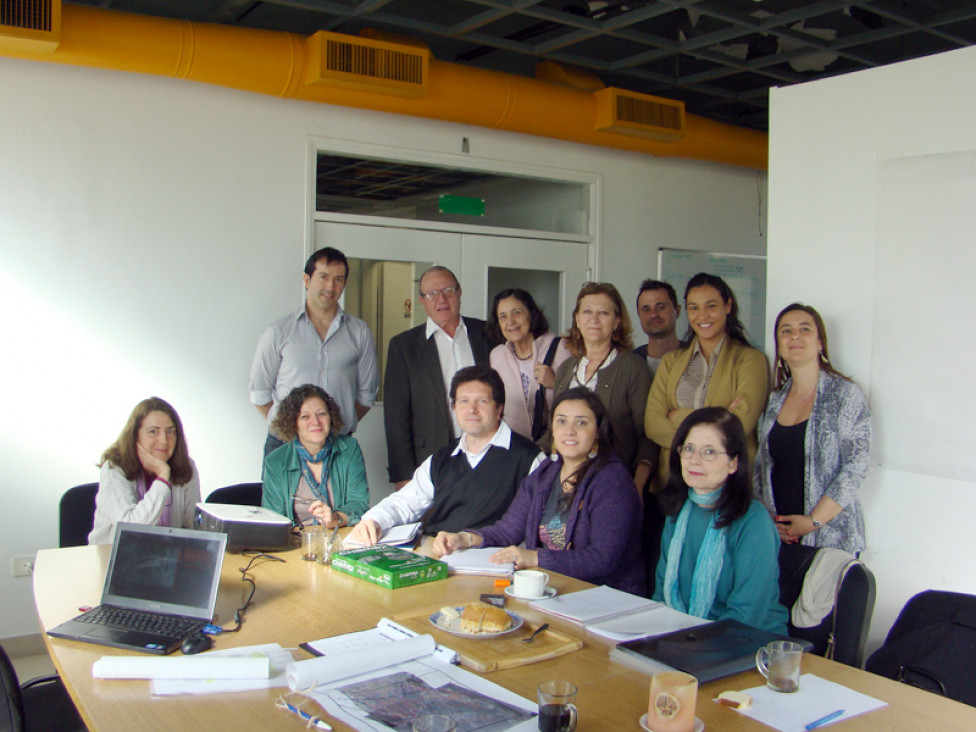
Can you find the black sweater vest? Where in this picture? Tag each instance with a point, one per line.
(466, 498)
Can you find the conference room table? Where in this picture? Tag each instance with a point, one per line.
(298, 601)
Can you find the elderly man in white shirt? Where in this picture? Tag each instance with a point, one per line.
(470, 482)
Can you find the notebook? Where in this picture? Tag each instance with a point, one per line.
(161, 586)
(709, 651)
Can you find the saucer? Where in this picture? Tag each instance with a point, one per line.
(549, 592)
(699, 725)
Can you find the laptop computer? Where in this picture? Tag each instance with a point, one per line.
(161, 586)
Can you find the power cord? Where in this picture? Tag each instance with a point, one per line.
(239, 613)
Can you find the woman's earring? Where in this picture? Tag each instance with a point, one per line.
(592, 453)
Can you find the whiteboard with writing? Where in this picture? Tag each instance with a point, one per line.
(744, 273)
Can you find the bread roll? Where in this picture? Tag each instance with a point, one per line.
(479, 617)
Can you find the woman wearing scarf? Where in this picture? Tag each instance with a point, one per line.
(719, 549)
(147, 476)
(318, 475)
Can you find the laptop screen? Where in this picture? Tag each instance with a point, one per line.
(165, 570)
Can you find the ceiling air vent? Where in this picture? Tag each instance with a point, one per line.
(30, 24)
(639, 115)
(365, 64)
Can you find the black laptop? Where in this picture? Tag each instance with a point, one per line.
(161, 587)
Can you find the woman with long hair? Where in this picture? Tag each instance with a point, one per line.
(576, 514)
(318, 475)
(147, 475)
(719, 550)
(814, 440)
(716, 367)
(603, 362)
(526, 358)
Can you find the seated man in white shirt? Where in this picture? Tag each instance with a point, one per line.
(469, 483)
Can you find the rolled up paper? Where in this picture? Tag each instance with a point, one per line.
(182, 667)
(326, 669)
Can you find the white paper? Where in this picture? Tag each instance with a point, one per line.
(435, 674)
(815, 699)
(278, 657)
(204, 666)
(657, 620)
(590, 606)
(328, 669)
(476, 561)
(402, 534)
(386, 631)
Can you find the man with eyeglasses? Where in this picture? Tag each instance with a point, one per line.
(317, 344)
(419, 367)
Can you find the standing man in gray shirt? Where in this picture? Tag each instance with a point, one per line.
(658, 310)
(318, 344)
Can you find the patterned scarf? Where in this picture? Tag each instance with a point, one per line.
(323, 456)
(708, 566)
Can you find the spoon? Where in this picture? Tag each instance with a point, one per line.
(544, 626)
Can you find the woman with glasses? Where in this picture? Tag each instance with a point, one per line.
(526, 359)
(719, 550)
(147, 475)
(575, 514)
(318, 475)
(603, 361)
(814, 440)
(716, 367)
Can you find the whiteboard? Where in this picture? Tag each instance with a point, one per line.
(744, 273)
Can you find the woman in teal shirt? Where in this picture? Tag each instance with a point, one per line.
(719, 551)
(318, 475)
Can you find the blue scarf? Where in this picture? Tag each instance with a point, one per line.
(708, 566)
(322, 456)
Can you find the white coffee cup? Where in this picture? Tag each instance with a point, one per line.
(530, 583)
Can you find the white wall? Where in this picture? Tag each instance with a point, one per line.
(151, 228)
(829, 141)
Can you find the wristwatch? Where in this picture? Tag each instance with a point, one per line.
(816, 524)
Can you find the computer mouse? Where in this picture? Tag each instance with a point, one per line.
(196, 644)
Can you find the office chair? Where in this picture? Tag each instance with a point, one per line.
(843, 633)
(242, 494)
(40, 704)
(77, 514)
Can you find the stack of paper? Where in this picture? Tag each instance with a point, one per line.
(396, 535)
(477, 561)
(592, 606)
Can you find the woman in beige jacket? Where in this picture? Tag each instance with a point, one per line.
(716, 368)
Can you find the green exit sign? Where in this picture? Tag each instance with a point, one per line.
(461, 205)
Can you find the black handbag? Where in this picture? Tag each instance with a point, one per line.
(539, 415)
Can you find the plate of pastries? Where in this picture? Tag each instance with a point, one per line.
(476, 620)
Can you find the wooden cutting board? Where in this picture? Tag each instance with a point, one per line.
(504, 651)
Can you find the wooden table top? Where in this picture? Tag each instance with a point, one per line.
(298, 601)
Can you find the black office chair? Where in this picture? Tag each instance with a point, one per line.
(40, 704)
(242, 494)
(77, 514)
(932, 645)
(844, 632)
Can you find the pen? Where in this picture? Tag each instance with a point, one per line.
(823, 720)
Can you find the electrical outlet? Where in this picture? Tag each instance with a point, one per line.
(22, 566)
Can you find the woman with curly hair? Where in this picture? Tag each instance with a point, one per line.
(603, 361)
(318, 475)
(147, 475)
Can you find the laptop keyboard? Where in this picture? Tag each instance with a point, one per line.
(173, 626)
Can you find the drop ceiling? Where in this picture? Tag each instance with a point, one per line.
(718, 56)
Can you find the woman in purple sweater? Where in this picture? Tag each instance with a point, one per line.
(577, 514)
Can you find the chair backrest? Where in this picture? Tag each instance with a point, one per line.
(242, 494)
(11, 703)
(77, 514)
(932, 645)
(848, 622)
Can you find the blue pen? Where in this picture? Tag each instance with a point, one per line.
(823, 720)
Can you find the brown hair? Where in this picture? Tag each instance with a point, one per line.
(621, 336)
(123, 453)
(782, 369)
(285, 422)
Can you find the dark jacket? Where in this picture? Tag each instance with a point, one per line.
(602, 531)
(415, 409)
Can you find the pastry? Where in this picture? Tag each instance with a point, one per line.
(479, 617)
